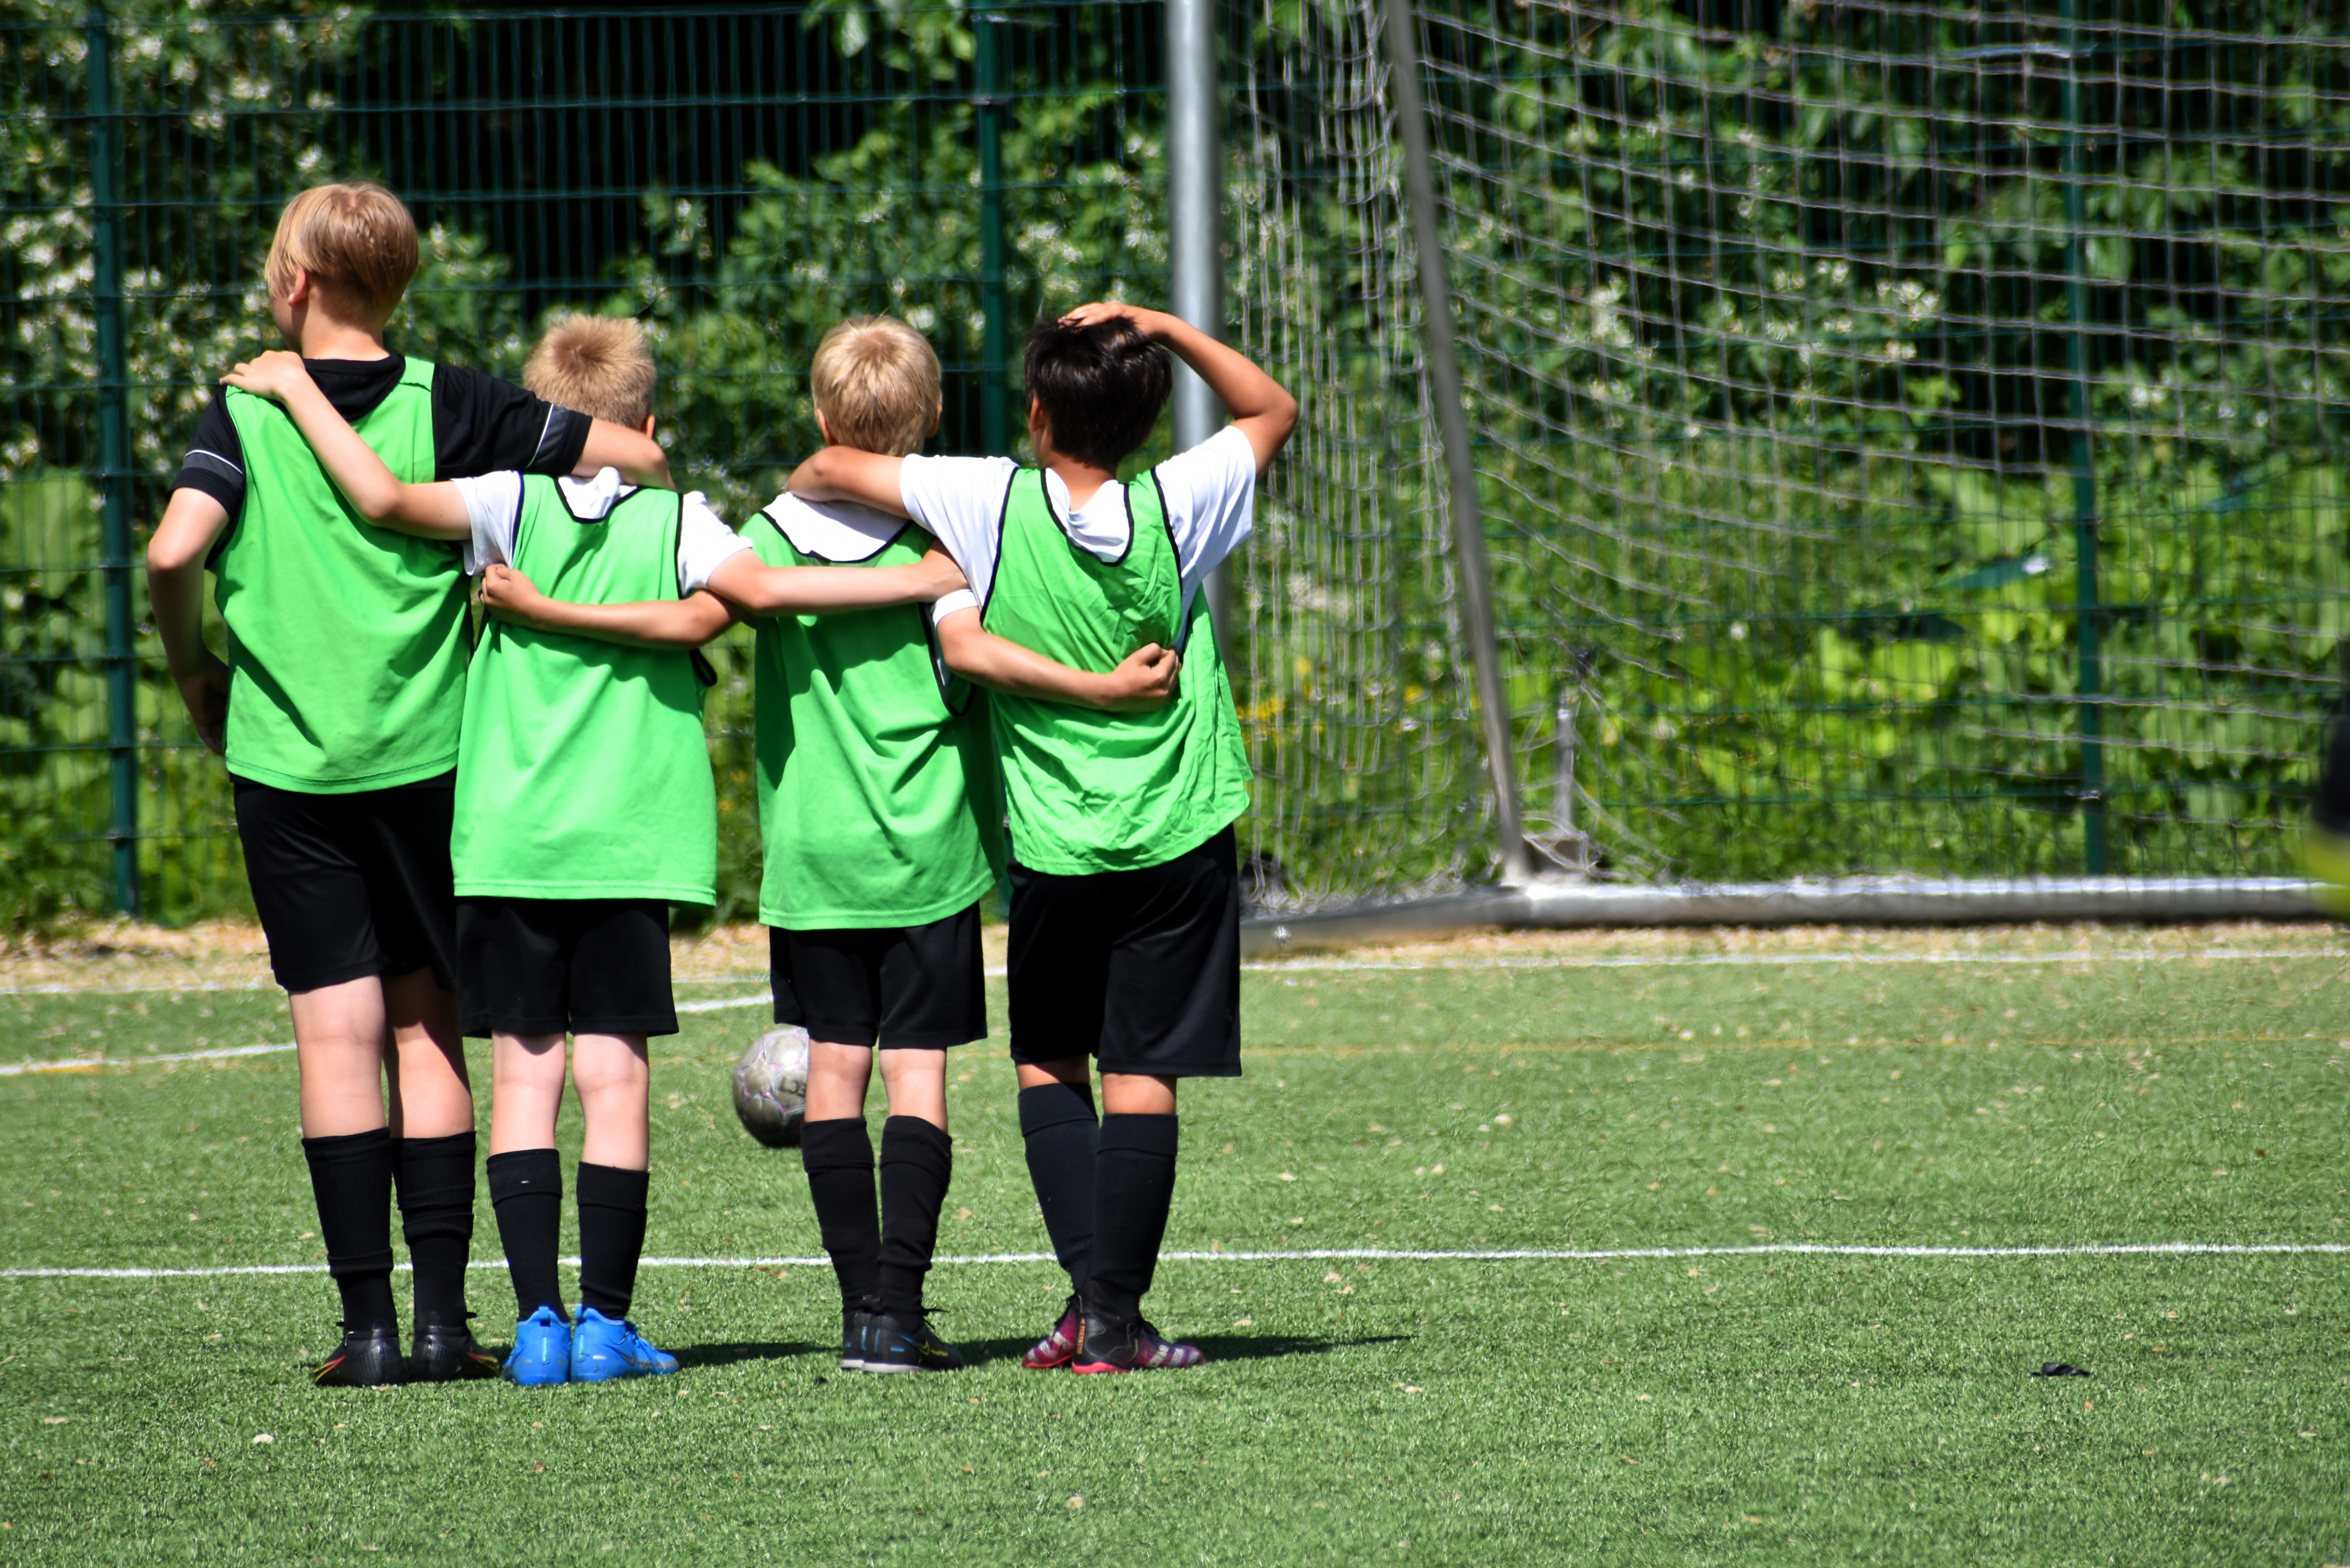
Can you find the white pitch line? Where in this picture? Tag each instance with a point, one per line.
(1756, 960)
(92, 1063)
(1319, 1254)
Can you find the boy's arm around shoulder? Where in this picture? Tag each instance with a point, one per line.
(688, 622)
(1145, 681)
(752, 586)
(844, 474)
(434, 510)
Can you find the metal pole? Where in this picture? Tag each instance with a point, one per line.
(2086, 611)
(1444, 385)
(1195, 262)
(994, 421)
(114, 456)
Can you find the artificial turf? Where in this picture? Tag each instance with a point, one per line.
(1765, 1405)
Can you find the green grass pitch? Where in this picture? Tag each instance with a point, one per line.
(1766, 1406)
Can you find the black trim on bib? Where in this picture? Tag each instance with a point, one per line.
(1167, 521)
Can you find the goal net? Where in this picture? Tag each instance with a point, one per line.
(1910, 439)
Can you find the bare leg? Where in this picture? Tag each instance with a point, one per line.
(838, 1076)
(339, 1033)
(430, 1095)
(615, 1081)
(525, 1091)
(1138, 1095)
(917, 1084)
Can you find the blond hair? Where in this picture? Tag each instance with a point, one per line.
(356, 236)
(596, 364)
(875, 382)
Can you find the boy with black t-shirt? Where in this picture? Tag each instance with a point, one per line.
(585, 807)
(1125, 942)
(338, 709)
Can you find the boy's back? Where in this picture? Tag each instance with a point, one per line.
(877, 778)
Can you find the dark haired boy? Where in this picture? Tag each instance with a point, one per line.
(1125, 942)
(338, 709)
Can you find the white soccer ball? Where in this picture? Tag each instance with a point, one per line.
(771, 1086)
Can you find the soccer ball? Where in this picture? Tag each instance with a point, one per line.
(771, 1086)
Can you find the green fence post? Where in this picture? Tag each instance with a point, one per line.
(114, 455)
(995, 426)
(2086, 611)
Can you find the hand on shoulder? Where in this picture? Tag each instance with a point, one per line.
(273, 374)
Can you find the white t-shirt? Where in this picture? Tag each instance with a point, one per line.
(842, 532)
(493, 501)
(1210, 495)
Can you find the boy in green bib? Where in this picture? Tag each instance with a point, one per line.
(878, 806)
(337, 708)
(1125, 942)
(584, 808)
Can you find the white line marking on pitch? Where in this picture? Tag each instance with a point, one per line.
(1317, 1254)
(1757, 961)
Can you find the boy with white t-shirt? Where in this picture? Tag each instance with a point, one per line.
(585, 807)
(1125, 942)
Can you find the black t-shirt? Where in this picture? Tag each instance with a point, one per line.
(480, 425)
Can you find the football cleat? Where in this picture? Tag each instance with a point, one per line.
(368, 1357)
(856, 1336)
(1055, 1349)
(1106, 1344)
(448, 1353)
(603, 1348)
(906, 1343)
(541, 1352)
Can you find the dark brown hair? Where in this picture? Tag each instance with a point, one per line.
(1102, 387)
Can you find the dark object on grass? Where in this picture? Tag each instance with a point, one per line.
(2062, 1369)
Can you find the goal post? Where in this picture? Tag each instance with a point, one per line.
(1908, 443)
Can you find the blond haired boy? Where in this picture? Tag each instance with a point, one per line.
(338, 708)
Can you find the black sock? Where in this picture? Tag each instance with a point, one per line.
(435, 1182)
(838, 1155)
(611, 1235)
(350, 1176)
(917, 1163)
(1134, 1182)
(1056, 1121)
(526, 1195)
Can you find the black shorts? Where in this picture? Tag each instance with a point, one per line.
(904, 988)
(1139, 968)
(351, 885)
(564, 966)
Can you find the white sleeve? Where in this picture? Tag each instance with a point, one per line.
(703, 543)
(1210, 495)
(960, 500)
(494, 502)
(960, 599)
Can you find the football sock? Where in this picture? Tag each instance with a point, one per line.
(1056, 1123)
(917, 1163)
(611, 1235)
(1134, 1183)
(838, 1155)
(526, 1195)
(350, 1176)
(434, 1177)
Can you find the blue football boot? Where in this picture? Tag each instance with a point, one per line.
(541, 1352)
(604, 1348)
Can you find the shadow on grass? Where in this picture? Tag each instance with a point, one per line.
(729, 1354)
(1217, 1347)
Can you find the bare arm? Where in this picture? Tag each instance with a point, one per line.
(688, 622)
(754, 588)
(842, 474)
(1261, 409)
(637, 455)
(175, 587)
(425, 511)
(1146, 681)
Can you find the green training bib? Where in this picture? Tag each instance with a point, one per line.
(878, 794)
(584, 774)
(1089, 791)
(346, 641)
